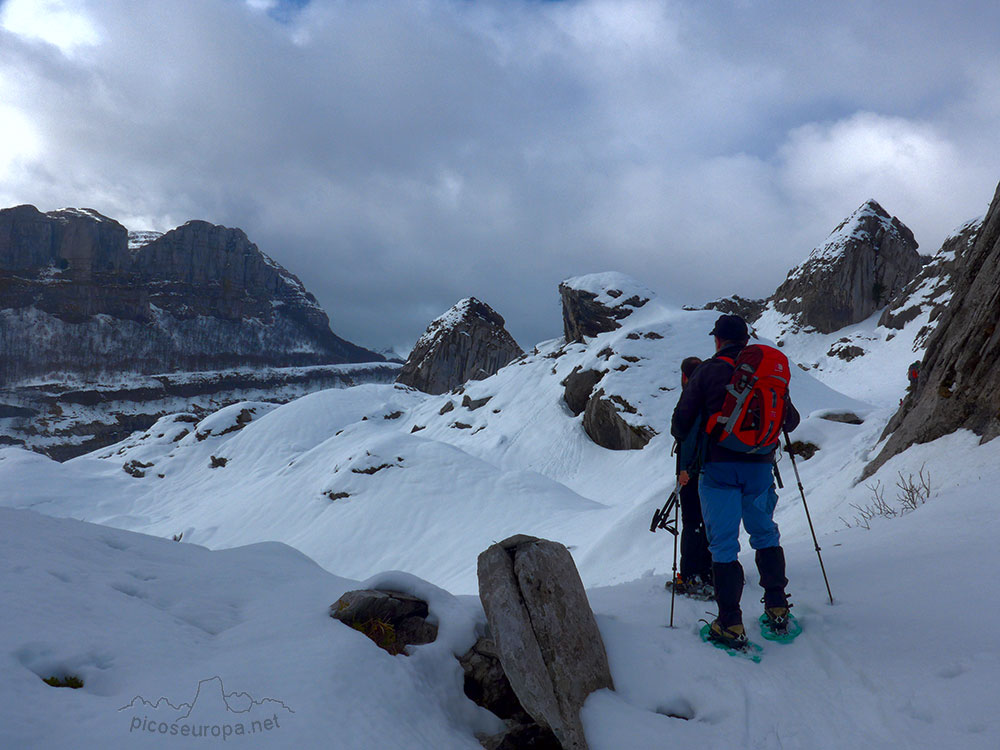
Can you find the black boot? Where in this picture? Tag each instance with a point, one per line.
(771, 566)
(728, 579)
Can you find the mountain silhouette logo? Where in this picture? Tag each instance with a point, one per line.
(210, 695)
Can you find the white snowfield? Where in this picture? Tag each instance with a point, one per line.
(374, 479)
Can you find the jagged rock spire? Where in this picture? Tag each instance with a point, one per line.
(860, 267)
(469, 342)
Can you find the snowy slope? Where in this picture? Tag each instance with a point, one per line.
(378, 478)
(136, 617)
(361, 478)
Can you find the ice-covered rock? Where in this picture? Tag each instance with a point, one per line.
(863, 265)
(468, 342)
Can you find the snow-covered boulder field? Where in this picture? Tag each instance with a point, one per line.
(380, 478)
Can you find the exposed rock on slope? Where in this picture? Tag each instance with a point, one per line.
(595, 303)
(469, 342)
(79, 295)
(934, 285)
(959, 384)
(863, 264)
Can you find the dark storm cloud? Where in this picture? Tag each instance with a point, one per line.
(401, 155)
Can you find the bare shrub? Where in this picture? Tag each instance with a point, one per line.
(914, 492)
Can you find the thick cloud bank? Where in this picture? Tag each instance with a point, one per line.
(399, 156)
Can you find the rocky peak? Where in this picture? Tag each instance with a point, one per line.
(594, 303)
(468, 342)
(864, 263)
(959, 384)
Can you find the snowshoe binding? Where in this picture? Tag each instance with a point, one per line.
(778, 624)
(695, 587)
(732, 639)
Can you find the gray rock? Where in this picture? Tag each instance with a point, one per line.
(844, 417)
(591, 308)
(863, 265)
(545, 632)
(200, 297)
(578, 386)
(605, 425)
(934, 286)
(469, 342)
(959, 385)
(748, 309)
(486, 683)
(369, 610)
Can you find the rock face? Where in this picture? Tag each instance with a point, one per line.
(79, 296)
(934, 286)
(544, 630)
(959, 385)
(469, 342)
(862, 266)
(595, 303)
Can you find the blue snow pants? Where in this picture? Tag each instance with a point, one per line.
(731, 492)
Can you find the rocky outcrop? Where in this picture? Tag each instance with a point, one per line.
(79, 296)
(934, 286)
(469, 342)
(544, 630)
(578, 387)
(392, 619)
(863, 265)
(959, 385)
(595, 303)
(604, 423)
(748, 309)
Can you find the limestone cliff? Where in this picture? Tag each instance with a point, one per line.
(79, 296)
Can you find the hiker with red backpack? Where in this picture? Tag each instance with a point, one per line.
(741, 397)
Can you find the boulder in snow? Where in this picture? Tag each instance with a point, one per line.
(469, 342)
(544, 630)
(578, 385)
(392, 619)
(606, 426)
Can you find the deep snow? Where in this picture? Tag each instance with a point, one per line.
(898, 661)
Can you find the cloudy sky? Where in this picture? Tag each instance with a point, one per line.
(398, 156)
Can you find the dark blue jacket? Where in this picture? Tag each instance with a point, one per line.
(705, 392)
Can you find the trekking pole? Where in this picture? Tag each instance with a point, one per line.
(788, 447)
(673, 588)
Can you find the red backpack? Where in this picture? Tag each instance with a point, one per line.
(754, 409)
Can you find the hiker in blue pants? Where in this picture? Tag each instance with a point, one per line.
(735, 487)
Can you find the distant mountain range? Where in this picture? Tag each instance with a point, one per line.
(81, 297)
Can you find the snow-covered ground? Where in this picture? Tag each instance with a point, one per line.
(381, 478)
